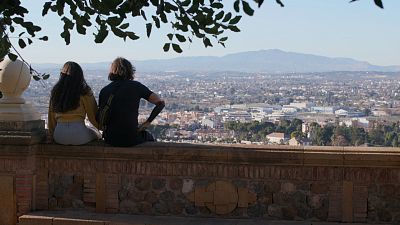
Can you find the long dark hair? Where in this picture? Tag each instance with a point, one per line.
(66, 93)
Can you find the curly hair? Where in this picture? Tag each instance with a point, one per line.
(121, 69)
(66, 93)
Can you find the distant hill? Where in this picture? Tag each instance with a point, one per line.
(270, 61)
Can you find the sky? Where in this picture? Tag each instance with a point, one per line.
(333, 28)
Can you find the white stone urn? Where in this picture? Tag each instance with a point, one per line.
(14, 80)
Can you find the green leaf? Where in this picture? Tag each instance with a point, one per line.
(217, 5)
(143, 14)
(81, 29)
(36, 78)
(186, 3)
(379, 3)
(277, 1)
(44, 38)
(247, 9)
(207, 42)
(21, 43)
(227, 17)
(114, 20)
(156, 21)
(45, 76)
(235, 20)
(132, 35)
(234, 28)
(19, 20)
(13, 57)
(101, 34)
(180, 38)
(219, 15)
(66, 36)
(148, 29)
(177, 48)
(223, 39)
(166, 47)
(46, 8)
(236, 5)
(118, 32)
(124, 26)
(170, 36)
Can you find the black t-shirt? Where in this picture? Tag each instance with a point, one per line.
(122, 127)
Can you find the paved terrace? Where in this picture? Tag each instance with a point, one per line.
(84, 218)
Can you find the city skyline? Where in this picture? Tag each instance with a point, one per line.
(362, 31)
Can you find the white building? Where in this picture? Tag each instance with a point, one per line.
(277, 138)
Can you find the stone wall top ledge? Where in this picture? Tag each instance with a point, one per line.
(244, 154)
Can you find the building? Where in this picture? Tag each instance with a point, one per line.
(295, 141)
(277, 138)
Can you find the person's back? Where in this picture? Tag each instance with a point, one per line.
(122, 126)
(70, 101)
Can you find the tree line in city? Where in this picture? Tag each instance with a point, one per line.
(328, 135)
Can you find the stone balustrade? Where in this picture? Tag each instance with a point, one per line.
(345, 184)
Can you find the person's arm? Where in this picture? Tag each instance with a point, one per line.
(51, 120)
(160, 104)
(90, 104)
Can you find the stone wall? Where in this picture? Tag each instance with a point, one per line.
(273, 182)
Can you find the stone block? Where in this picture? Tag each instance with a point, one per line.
(347, 204)
(175, 184)
(158, 183)
(225, 197)
(151, 197)
(167, 196)
(7, 200)
(190, 196)
(288, 187)
(319, 188)
(35, 220)
(142, 183)
(245, 197)
(187, 186)
(136, 196)
(22, 132)
(201, 196)
(64, 221)
(100, 194)
(272, 186)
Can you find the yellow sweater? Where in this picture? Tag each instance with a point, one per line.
(87, 105)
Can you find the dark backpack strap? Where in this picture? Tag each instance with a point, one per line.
(107, 108)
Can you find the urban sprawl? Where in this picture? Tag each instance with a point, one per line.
(335, 108)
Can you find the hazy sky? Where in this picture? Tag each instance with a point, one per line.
(334, 28)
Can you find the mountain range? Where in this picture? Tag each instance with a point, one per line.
(268, 61)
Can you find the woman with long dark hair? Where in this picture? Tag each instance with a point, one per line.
(70, 101)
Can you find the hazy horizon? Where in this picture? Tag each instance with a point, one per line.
(362, 31)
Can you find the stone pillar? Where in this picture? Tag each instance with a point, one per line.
(20, 123)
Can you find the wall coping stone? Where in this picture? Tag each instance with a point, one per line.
(230, 154)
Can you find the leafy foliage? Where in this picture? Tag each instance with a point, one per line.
(207, 20)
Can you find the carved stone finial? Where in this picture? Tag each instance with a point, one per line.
(14, 80)
(20, 123)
